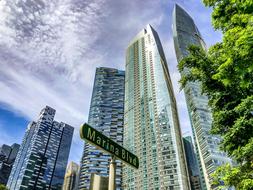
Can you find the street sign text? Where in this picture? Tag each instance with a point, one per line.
(98, 139)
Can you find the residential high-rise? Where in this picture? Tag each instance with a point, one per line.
(151, 125)
(71, 177)
(193, 168)
(42, 157)
(7, 157)
(106, 115)
(185, 32)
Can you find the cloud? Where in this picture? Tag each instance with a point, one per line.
(50, 58)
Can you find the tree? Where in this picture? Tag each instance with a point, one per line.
(2, 187)
(225, 72)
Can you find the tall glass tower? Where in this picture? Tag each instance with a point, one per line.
(193, 169)
(7, 157)
(42, 157)
(151, 126)
(185, 32)
(106, 115)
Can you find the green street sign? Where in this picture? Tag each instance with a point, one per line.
(101, 141)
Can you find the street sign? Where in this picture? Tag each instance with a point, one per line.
(101, 141)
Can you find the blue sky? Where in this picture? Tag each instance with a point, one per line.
(49, 51)
(12, 125)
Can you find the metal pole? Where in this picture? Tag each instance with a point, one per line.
(112, 174)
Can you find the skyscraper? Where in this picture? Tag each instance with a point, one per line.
(193, 169)
(71, 177)
(185, 32)
(7, 157)
(151, 126)
(42, 158)
(106, 115)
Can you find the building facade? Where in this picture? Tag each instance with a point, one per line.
(151, 125)
(193, 168)
(7, 157)
(99, 182)
(185, 33)
(42, 158)
(71, 177)
(106, 115)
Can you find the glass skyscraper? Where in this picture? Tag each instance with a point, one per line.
(193, 168)
(106, 115)
(7, 157)
(185, 33)
(151, 125)
(42, 158)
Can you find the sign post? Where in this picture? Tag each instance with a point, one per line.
(107, 145)
(112, 174)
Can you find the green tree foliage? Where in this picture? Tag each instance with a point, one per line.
(2, 187)
(225, 72)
